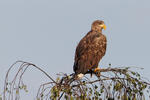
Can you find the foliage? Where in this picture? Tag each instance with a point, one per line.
(113, 84)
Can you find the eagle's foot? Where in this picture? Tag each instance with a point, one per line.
(97, 72)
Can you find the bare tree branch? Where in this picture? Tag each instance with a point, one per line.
(120, 84)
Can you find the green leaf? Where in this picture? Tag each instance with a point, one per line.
(17, 91)
(71, 98)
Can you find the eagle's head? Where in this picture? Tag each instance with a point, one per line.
(98, 25)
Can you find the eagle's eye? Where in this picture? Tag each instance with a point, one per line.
(100, 24)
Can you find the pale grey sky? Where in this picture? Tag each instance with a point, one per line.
(46, 32)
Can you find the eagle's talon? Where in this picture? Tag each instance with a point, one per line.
(98, 74)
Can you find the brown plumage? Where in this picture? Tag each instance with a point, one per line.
(90, 49)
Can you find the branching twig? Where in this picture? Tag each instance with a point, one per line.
(122, 83)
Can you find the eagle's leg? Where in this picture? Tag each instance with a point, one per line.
(97, 71)
(91, 72)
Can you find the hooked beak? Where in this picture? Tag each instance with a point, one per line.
(103, 26)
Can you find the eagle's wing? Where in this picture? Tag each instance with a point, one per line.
(89, 52)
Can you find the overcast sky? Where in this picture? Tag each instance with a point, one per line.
(46, 33)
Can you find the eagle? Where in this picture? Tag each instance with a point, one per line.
(90, 50)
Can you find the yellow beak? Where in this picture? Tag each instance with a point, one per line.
(103, 26)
